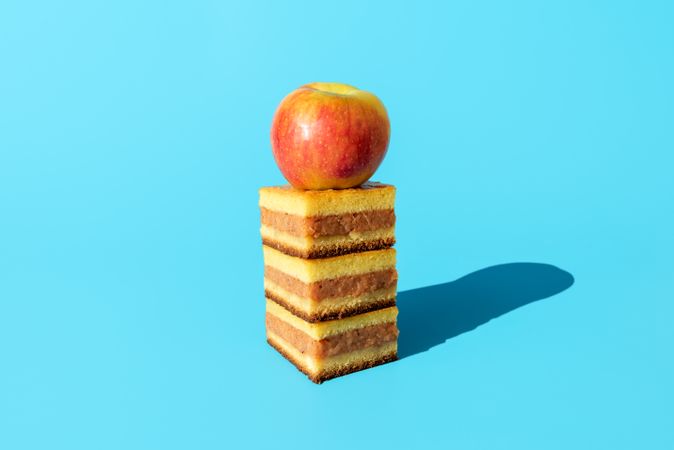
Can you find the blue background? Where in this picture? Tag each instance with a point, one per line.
(133, 139)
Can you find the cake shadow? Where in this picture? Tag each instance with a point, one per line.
(431, 315)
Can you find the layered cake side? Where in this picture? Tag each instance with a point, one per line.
(331, 288)
(317, 224)
(325, 350)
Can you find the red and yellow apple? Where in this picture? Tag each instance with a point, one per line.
(329, 136)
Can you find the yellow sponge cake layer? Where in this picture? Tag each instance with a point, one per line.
(368, 196)
(321, 330)
(312, 270)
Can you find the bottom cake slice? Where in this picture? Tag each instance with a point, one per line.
(324, 350)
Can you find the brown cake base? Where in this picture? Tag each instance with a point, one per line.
(336, 373)
(331, 250)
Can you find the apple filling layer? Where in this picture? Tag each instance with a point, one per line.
(332, 225)
(350, 285)
(329, 309)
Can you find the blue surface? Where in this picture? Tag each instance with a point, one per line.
(532, 150)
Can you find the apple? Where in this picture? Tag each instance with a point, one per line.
(329, 136)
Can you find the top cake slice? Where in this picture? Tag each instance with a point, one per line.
(319, 224)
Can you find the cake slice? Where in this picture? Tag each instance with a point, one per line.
(331, 288)
(318, 224)
(329, 349)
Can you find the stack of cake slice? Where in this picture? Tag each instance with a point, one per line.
(330, 278)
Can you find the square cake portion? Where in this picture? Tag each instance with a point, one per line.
(325, 350)
(331, 288)
(319, 224)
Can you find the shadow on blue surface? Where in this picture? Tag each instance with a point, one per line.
(431, 315)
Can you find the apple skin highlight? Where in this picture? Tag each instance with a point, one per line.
(329, 136)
